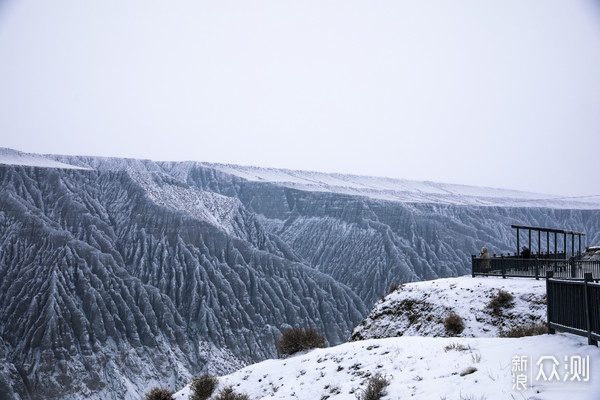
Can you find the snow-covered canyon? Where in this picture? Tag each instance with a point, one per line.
(157, 271)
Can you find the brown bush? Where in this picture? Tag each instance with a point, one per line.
(228, 393)
(203, 387)
(159, 394)
(526, 330)
(298, 339)
(454, 324)
(500, 301)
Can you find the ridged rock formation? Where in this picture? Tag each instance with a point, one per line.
(105, 290)
(122, 274)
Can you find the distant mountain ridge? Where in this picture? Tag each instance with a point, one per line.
(380, 188)
(14, 157)
(403, 190)
(160, 270)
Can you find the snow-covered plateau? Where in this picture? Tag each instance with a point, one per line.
(381, 188)
(14, 157)
(402, 189)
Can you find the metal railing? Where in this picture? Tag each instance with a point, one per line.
(574, 306)
(572, 268)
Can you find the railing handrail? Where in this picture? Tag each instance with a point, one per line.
(533, 267)
(528, 258)
(569, 316)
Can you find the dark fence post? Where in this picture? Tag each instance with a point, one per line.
(587, 277)
(473, 266)
(549, 293)
(502, 266)
(537, 268)
(572, 262)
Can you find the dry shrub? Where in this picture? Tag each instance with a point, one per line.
(375, 388)
(298, 339)
(228, 393)
(526, 330)
(159, 394)
(203, 387)
(454, 324)
(500, 301)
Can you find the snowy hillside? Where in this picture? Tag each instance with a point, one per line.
(378, 188)
(421, 368)
(211, 207)
(403, 190)
(14, 157)
(478, 365)
(419, 309)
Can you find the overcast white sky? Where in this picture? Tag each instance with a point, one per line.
(502, 94)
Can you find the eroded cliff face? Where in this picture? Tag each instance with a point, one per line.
(370, 244)
(133, 273)
(108, 284)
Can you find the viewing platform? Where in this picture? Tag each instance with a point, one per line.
(535, 263)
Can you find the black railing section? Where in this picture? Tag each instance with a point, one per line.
(536, 267)
(574, 306)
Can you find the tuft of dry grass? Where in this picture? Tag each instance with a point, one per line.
(375, 388)
(228, 393)
(526, 330)
(457, 347)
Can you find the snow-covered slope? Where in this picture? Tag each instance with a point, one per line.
(403, 190)
(421, 365)
(420, 368)
(213, 208)
(14, 157)
(420, 308)
(378, 188)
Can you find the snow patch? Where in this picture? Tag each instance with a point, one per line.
(14, 157)
(213, 208)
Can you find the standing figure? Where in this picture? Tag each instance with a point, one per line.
(485, 259)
